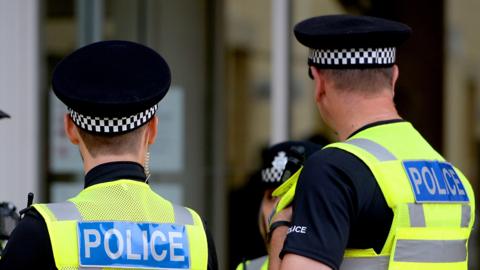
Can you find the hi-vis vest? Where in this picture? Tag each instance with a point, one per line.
(124, 224)
(432, 202)
(260, 263)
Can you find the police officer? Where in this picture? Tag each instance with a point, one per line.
(382, 197)
(274, 163)
(112, 90)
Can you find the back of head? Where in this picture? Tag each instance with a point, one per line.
(362, 81)
(111, 89)
(112, 144)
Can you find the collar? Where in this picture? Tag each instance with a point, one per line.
(378, 123)
(112, 171)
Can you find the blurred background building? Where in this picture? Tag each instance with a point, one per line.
(220, 113)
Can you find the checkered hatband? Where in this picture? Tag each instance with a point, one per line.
(355, 57)
(112, 125)
(274, 173)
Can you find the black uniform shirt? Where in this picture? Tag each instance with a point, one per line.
(338, 204)
(29, 246)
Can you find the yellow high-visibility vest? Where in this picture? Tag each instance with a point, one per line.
(260, 263)
(124, 224)
(433, 203)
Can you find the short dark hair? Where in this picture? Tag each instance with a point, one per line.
(367, 80)
(116, 144)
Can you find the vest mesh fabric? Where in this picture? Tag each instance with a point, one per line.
(124, 201)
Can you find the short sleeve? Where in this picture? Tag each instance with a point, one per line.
(322, 211)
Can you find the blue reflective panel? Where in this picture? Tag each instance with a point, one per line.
(434, 181)
(139, 245)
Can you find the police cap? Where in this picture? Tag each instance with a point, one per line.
(276, 157)
(111, 87)
(4, 115)
(351, 42)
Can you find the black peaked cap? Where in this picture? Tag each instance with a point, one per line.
(276, 157)
(111, 79)
(349, 31)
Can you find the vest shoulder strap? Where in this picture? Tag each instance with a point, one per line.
(67, 210)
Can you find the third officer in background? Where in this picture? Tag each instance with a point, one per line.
(274, 163)
(112, 90)
(381, 198)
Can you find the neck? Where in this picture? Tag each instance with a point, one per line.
(357, 112)
(90, 162)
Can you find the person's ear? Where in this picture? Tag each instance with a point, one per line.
(319, 83)
(70, 129)
(152, 130)
(395, 74)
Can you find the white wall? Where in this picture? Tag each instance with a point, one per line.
(19, 97)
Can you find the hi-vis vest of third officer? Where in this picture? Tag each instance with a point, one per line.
(124, 224)
(432, 201)
(260, 263)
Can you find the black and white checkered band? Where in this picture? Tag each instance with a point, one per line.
(112, 125)
(274, 173)
(352, 57)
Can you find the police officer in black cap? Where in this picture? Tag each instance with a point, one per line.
(278, 158)
(112, 90)
(381, 198)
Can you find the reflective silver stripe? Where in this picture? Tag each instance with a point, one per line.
(465, 215)
(417, 216)
(88, 268)
(65, 211)
(433, 251)
(365, 263)
(256, 264)
(182, 215)
(380, 152)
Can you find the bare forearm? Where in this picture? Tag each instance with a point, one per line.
(276, 245)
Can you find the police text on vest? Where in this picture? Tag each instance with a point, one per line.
(434, 181)
(145, 245)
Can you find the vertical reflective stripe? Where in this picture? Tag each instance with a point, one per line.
(182, 215)
(417, 216)
(465, 215)
(65, 211)
(432, 251)
(365, 263)
(380, 152)
(256, 264)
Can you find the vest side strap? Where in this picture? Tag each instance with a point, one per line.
(431, 251)
(365, 263)
(417, 216)
(257, 263)
(65, 211)
(465, 215)
(377, 150)
(182, 215)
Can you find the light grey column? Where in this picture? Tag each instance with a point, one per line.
(280, 116)
(89, 21)
(19, 97)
